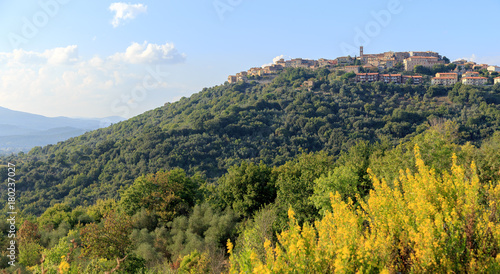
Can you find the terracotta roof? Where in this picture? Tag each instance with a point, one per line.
(445, 78)
(423, 57)
(475, 78)
(497, 77)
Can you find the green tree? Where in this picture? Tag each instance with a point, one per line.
(30, 250)
(348, 76)
(109, 239)
(399, 66)
(166, 193)
(438, 145)
(55, 215)
(419, 69)
(206, 229)
(343, 180)
(295, 183)
(247, 187)
(451, 67)
(102, 208)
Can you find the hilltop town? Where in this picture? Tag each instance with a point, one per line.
(413, 67)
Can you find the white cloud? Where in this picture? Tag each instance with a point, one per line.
(124, 12)
(490, 60)
(472, 58)
(62, 56)
(150, 54)
(276, 59)
(56, 56)
(59, 82)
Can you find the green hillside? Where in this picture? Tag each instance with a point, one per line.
(221, 126)
(267, 166)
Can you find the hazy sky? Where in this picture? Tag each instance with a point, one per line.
(104, 58)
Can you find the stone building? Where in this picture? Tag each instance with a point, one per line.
(425, 61)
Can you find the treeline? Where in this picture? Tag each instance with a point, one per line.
(283, 217)
(220, 126)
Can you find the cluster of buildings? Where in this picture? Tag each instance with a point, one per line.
(243, 76)
(468, 78)
(387, 60)
(374, 63)
(409, 59)
(464, 65)
(280, 65)
(464, 70)
(387, 78)
(369, 62)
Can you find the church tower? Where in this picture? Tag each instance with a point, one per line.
(361, 52)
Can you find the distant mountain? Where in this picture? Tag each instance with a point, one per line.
(21, 131)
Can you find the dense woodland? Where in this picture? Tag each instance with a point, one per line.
(272, 178)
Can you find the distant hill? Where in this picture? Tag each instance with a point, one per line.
(21, 131)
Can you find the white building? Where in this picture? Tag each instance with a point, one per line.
(445, 81)
(494, 68)
(474, 81)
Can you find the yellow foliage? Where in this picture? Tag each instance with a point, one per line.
(426, 222)
(63, 266)
(195, 263)
(229, 247)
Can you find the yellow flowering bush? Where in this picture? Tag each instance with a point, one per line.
(424, 222)
(63, 266)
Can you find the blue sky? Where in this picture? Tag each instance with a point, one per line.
(108, 58)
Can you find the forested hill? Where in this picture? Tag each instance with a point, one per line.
(221, 126)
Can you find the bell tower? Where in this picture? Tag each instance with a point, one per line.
(361, 52)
